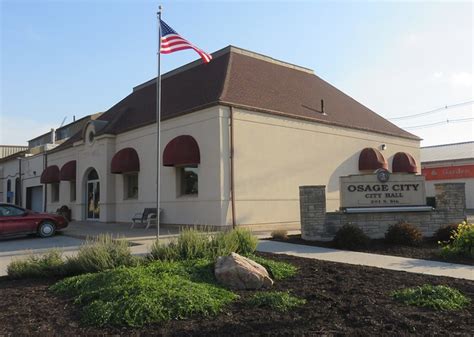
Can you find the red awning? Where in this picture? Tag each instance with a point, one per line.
(371, 159)
(68, 171)
(181, 151)
(125, 161)
(50, 175)
(404, 163)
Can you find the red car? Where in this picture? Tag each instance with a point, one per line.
(15, 220)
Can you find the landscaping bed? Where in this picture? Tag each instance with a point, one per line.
(340, 299)
(429, 249)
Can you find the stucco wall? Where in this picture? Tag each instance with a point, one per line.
(205, 208)
(275, 155)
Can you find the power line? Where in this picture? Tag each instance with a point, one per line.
(446, 107)
(447, 121)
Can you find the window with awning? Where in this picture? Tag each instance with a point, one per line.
(50, 175)
(125, 161)
(182, 151)
(371, 159)
(404, 163)
(68, 171)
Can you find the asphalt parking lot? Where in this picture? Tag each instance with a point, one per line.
(18, 247)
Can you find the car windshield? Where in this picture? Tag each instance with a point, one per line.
(10, 211)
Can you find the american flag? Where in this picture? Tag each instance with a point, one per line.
(171, 42)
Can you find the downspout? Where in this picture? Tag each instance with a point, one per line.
(232, 189)
(45, 164)
(20, 188)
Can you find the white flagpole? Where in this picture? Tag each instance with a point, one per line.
(158, 129)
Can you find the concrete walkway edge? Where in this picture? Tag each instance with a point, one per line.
(372, 260)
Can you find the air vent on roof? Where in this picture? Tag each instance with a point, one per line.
(321, 111)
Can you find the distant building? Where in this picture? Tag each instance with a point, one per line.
(20, 172)
(8, 150)
(449, 163)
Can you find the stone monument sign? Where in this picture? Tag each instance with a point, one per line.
(382, 189)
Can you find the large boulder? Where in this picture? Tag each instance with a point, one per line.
(238, 272)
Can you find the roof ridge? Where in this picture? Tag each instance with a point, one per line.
(451, 144)
(225, 84)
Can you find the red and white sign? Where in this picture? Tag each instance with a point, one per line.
(448, 172)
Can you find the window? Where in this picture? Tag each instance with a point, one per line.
(130, 186)
(188, 180)
(73, 191)
(9, 191)
(55, 192)
(11, 211)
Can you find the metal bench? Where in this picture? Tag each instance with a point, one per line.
(146, 218)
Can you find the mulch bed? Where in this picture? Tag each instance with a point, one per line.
(428, 250)
(341, 300)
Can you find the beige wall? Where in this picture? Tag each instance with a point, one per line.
(205, 208)
(273, 157)
(276, 155)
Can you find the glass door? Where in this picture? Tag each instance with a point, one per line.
(93, 197)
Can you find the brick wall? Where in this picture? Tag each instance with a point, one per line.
(316, 224)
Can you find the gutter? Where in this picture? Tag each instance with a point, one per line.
(232, 188)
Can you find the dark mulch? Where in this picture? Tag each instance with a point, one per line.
(429, 249)
(341, 300)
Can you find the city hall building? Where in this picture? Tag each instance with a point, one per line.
(239, 136)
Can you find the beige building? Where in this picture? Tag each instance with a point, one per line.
(239, 136)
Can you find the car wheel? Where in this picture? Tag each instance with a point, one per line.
(46, 229)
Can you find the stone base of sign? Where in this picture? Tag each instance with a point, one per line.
(317, 225)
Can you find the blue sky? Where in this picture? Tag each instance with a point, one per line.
(65, 58)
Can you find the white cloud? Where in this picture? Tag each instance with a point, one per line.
(462, 79)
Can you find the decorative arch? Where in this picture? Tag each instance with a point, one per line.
(125, 161)
(371, 159)
(182, 151)
(403, 162)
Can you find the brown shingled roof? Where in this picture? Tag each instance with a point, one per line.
(243, 79)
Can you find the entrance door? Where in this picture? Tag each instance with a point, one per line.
(34, 198)
(93, 196)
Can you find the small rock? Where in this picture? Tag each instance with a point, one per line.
(238, 272)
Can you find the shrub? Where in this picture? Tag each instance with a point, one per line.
(37, 266)
(195, 244)
(275, 300)
(444, 233)
(403, 234)
(277, 270)
(350, 237)
(140, 295)
(279, 234)
(462, 241)
(246, 241)
(100, 253)
(436, 297)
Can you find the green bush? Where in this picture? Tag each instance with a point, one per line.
(95, 255)
(279, 234)
(444, 233)
(195, 244)
(135, 296)
(436, 297)
(277, 270)
(275, 300)
(403, 234)
(350, 237)
(100, 253)
(462, 241)
(37, 266)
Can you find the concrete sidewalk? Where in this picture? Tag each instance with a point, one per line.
(372, 260)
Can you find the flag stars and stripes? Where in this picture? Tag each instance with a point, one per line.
(172, 42)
